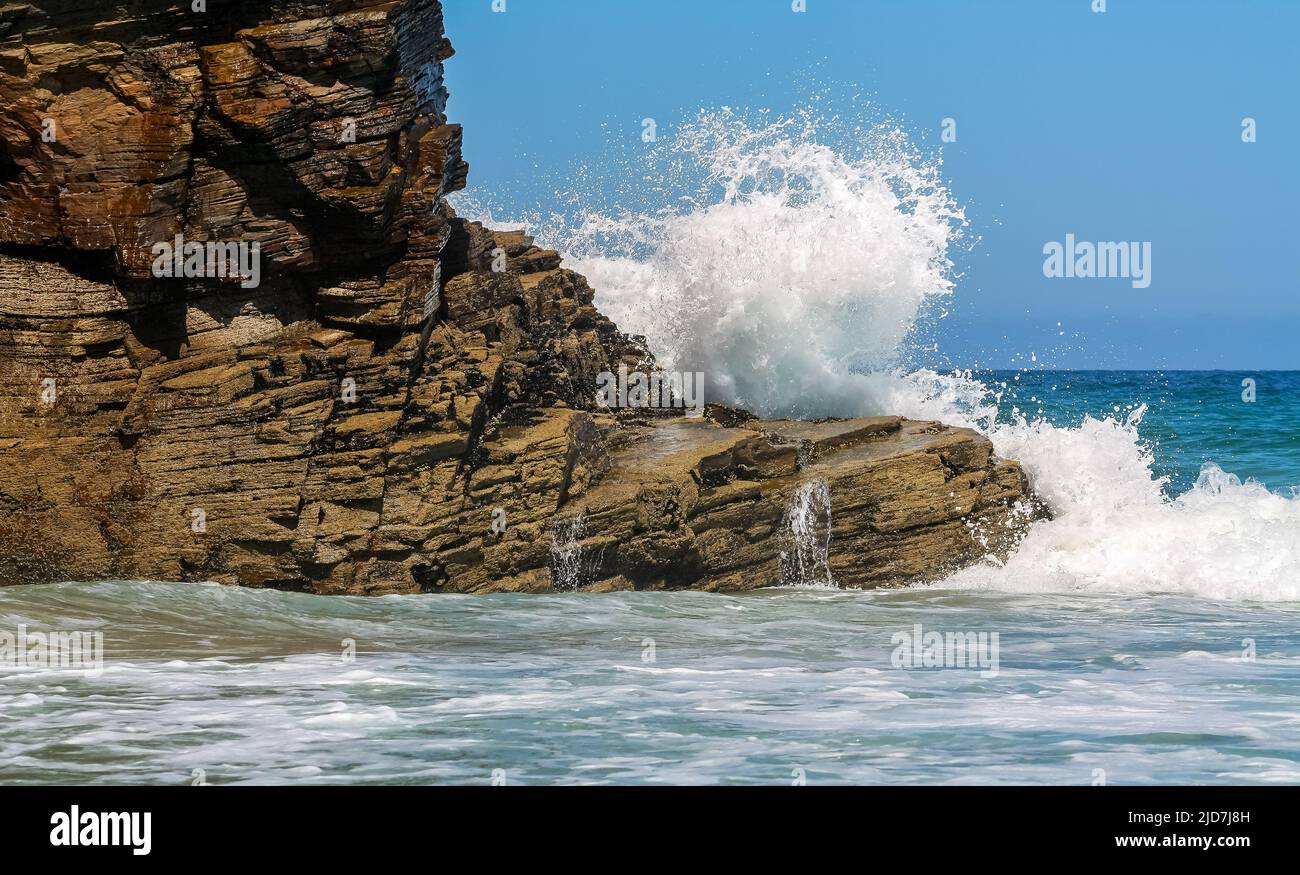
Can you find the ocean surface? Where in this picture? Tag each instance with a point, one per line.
(1150, 633)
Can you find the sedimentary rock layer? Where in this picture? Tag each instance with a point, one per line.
(403, 401)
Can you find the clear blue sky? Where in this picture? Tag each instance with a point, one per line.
(1117, 126)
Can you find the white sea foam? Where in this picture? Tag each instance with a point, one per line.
(792, 273)
(1115, 529)
(1152, 690)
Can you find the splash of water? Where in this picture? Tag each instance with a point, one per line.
(792, 273)
(782, 268)
(808, 562)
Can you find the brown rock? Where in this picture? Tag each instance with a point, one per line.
(405, 403)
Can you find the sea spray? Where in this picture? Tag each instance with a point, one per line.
(808, 521)
(792, 272)
(782, 267)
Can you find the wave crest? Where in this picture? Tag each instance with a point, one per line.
(781, 267)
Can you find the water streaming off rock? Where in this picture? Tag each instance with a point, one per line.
(807, 562)
(566, 551)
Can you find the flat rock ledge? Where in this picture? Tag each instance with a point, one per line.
(404, 401)
(879, 501)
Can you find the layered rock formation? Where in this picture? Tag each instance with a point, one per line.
(402, 401)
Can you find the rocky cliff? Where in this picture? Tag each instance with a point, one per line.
(372, 395)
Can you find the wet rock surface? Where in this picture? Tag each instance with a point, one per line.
(405, 401)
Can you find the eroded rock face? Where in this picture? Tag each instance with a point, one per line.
(404, 401)
(862, 502)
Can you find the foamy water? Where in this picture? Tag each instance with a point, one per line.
(1117, 528)
(235, 686)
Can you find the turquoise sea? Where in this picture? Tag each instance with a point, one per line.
(1150, 633)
